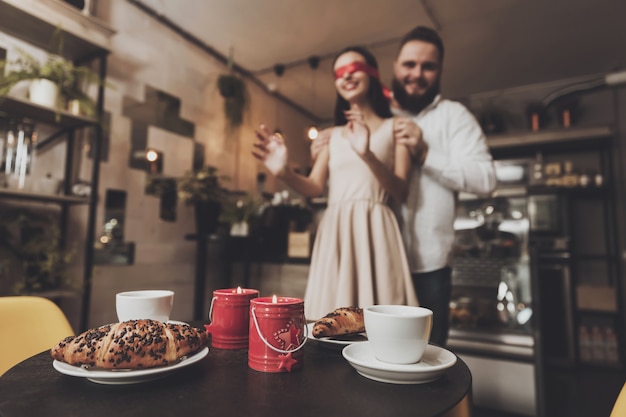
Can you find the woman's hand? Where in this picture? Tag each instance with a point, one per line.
(358, 134)
(321, 142)
(271, 150)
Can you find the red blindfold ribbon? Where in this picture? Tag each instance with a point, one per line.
(354, 67)
(361, 66)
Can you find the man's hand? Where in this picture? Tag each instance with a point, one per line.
(271, 150)
(409, 134)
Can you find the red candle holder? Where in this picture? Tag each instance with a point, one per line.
(229, 315)
(277, 334)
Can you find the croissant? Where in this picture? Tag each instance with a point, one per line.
(341, 321)
(133, 344)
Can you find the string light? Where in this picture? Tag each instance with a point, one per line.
(312, 133)
(151, 155)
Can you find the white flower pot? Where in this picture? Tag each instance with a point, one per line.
(44, 92)
(239, 229)
(20, 90)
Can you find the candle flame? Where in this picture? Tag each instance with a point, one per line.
(239, 291)
(274, 299)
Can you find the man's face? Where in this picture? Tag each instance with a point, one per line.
(418, 68)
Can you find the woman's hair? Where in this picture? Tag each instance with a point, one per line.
(375, 95)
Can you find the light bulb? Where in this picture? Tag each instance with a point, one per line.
(152, 155)
(312, 133)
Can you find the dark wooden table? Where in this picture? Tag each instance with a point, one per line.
(222, 384)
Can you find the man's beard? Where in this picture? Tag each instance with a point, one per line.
(413, 103)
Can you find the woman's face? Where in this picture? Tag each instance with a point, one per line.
(351, 82)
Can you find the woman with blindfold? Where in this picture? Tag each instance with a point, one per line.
(358, 257)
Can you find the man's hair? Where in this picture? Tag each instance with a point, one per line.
(422, 33)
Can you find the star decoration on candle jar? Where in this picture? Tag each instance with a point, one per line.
(287, 362)
(294, 332)
(289, 336)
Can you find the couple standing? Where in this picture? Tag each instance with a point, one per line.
(416, 161)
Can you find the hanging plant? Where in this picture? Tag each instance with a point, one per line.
(233, 89)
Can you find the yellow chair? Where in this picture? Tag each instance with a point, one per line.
(619, 408)
(29, 325)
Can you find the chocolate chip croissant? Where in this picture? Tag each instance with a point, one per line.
(341, 321)
(133, 344)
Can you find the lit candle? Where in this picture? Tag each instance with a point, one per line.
(277, 334)
(230, 316)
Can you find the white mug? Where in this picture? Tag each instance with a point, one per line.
(398, 334)
(144, 304)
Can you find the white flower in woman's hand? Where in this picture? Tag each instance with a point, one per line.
(276, 158)
(271, 150)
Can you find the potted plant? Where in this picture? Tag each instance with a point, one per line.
(202, 188)
(52, 81)
(32, 259)
(239, 213)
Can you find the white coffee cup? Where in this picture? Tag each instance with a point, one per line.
(144, 304)
(398, 334)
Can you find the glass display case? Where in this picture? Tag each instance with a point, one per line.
(491, 304)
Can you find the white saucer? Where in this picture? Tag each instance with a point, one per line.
(337, 341)
(434, 363)
(126, 376)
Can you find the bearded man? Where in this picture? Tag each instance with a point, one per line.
(450, 154)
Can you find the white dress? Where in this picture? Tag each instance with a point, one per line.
(358, 258)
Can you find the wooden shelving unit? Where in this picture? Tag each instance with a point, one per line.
(86, 39)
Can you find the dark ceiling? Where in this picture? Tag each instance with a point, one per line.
(490, 44)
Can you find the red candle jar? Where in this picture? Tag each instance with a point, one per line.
(229, 315)
(277, 334)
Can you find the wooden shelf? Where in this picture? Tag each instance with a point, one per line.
(45, 198)
(591, 191)
(86, 39)
(549, 137)
(35, 21)
(14, 107)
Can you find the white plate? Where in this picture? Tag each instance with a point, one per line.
(126, 376)
(434, 363)
(339, 342)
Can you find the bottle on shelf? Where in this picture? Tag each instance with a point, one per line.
(584, 343)
(598, 180)
(584, 180)
(536, 170)
(569, 178)
(597, 344)
(610, 345)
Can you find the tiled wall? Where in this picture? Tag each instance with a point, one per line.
(164, 96)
